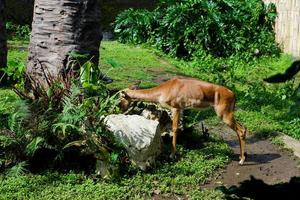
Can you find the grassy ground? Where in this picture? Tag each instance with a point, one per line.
(262, 107)
(182, 178)
(17, 50)
(127, 64)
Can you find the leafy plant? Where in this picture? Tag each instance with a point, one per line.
(134, 26)
(19, 32)
(14, 70)
(190, 28)
(18, 170)
(16, 140)
(82, 120)
(66, 117)
(90, 75)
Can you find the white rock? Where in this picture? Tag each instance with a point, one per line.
(140, 137)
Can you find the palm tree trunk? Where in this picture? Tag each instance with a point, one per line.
(3, 45)
(60, 27)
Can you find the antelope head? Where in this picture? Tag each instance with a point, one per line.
(126, 100)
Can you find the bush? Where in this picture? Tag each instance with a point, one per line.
(141, 19)
(19, 32)
(14, 71)
(188, 28)
(63, 121)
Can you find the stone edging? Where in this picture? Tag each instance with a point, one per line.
(291, 143)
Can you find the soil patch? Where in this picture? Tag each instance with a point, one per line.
(265, 161)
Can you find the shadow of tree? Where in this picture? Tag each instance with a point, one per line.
(257, 189)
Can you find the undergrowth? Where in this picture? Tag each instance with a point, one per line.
(17, 32)
(49, 127)
(182, 178)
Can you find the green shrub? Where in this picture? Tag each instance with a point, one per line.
(67, 117)
(141, 19)
(19, 32)
(14, 71)
(189, 28)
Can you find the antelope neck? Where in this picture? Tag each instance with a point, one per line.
(149, 95)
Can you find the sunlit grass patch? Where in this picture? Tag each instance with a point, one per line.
(127, 64)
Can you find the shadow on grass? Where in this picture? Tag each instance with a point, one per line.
(258, 189)
(188, 140)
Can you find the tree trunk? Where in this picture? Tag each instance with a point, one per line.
(60, 27)
(3, 45)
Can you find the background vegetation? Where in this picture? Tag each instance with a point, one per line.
(49, 148)
(198, 28)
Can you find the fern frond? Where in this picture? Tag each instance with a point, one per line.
(17, 170)
(33, 146)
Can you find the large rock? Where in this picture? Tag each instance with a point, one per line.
(141, 137)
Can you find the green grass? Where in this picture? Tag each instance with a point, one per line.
(182, 177)
(17, 54)
(17, 50)
(7, 100)
(132, 63)
(7, 97)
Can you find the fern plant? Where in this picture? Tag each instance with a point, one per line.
(67, 117)
(82, 123)
(18, 170)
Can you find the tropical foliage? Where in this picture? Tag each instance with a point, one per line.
(68, 117)
(188, 28)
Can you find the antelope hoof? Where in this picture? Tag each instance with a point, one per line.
(242, 161)
(172, 156)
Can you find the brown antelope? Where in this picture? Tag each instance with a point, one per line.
(182, 93)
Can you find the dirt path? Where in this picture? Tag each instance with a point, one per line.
(265, 161)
